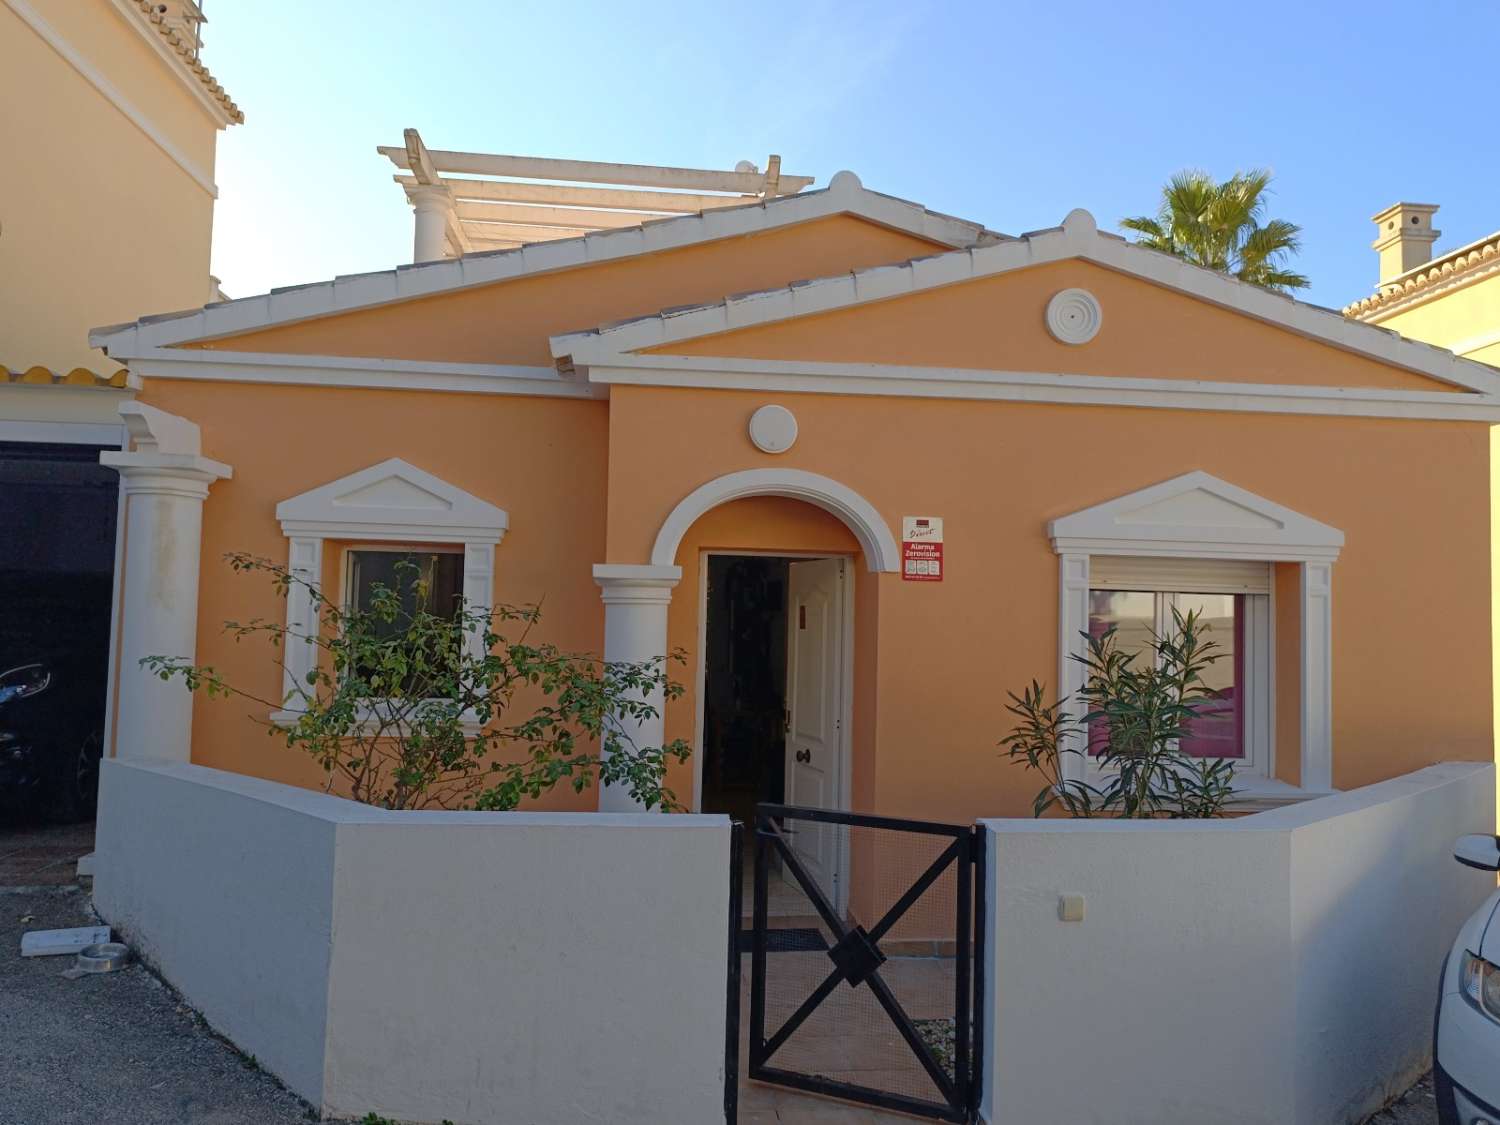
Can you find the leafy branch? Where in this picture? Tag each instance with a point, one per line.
(1137, 707)
(408, 705)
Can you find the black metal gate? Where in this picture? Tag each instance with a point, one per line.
(864, 978)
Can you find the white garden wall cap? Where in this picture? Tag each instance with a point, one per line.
(1077, 238)
(393, 497)
(1287, 818)
(302, 302)
(340, 810)
(1217, 518)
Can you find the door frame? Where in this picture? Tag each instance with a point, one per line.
(844, 774)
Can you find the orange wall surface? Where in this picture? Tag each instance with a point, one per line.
(510, 321)
(542, 460)
(1411, 597)
(997, 322)
(590, 482)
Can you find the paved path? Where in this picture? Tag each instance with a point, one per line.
(118, 1048)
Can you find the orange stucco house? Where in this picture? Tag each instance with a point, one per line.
(869, 466)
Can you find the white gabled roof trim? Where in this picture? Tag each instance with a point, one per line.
(353, 371)
(1078, 237)
(1197, 511)
(867, 379)
(392, 498)
(844, 195)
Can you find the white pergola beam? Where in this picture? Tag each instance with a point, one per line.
(458, 235)
(540, 216)
(673, 202)
(418, 159)
(515, 232)
(771, 187)
(594, 172)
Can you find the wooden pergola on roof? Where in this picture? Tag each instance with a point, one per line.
(471, 201)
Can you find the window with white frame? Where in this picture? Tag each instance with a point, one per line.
(1139, 598)
(450, 535)
(422, 581)
(1196, 541)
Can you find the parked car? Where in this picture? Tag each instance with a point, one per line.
(1466, 1037)
(51, 736)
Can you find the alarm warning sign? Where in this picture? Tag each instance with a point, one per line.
(921, 549)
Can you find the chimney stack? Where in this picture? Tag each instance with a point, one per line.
(1404, 238)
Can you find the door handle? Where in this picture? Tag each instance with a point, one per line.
(804, 755)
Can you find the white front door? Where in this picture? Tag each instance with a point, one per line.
(815, 708)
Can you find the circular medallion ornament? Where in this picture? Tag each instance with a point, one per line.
(1074, 316)
(773, 429)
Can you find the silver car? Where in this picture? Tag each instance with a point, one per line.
(1466, 1040)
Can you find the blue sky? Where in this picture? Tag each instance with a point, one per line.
(1006, 113)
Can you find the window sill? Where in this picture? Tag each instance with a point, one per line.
(468, 721)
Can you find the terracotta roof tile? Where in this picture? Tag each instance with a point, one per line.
(188, 53)
(1460, 266)
(79, 377)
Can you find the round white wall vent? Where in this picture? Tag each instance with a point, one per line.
(1074, 316)
(773, 429)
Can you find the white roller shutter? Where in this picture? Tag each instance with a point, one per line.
(1196, 576)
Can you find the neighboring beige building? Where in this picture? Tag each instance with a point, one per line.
(106, 205)
(106, 211)
(1452, 300)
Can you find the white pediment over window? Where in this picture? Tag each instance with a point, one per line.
(1200, 513)
(392, 500)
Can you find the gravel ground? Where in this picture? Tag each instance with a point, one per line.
(1416, 1107)
(120, 1048)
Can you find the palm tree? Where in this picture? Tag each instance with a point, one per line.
(1218, 225)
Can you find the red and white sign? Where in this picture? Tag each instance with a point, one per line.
(921, 549)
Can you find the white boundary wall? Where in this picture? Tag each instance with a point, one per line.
(1276, 969)
(479, 967)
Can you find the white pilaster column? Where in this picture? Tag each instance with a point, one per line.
(432, 205)
(479, 590)
(1073, 621)
(164, 481)
(635, 630)
(305, 561)
(1317, 676)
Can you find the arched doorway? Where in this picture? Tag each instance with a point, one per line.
(769, 562)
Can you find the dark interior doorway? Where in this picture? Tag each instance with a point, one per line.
(57, 551)
(744, 684)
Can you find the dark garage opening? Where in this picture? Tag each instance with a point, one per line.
(744, 688)
(58, 508)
